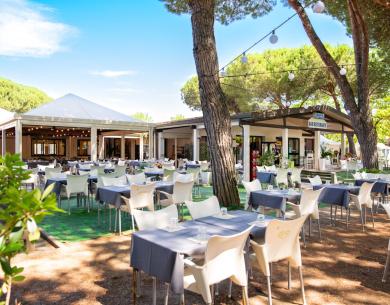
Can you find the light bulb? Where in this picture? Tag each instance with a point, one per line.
(305, 106)
(291, 76)
(343, 71)
(223, 72)
(319, 7)
(273, 38)
(288, 103)
(244, 59)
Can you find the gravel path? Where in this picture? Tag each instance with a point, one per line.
(345, 268)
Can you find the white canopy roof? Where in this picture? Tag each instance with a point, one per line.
(326, 141)
(74, 107)
(5, 115)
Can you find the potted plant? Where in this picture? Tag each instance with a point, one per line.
(20, 212)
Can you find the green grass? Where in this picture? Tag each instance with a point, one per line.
(81, 225)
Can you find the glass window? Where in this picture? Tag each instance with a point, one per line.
(83, 147)
(46, 147)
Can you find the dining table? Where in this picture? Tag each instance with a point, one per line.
(336, 194)
(381, 186)
(273, 199)
(160, 252)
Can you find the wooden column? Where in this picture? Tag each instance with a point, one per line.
(101, 147)
(18, 138)
(123, 151)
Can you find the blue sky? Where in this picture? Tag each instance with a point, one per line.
(129, 55)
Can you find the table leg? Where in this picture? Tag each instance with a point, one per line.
(134, 286)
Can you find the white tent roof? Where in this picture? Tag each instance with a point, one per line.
(5, 115)
(74, 107)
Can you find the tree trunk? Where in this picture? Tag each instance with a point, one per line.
(214, 103)
(359, 112)
(351, 143)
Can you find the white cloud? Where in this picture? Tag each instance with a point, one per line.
(25, 30)
(123, 91)
(113, 73)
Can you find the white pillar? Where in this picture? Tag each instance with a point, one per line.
(101, 147)
(285, 144)
(301, 151)
(18, 138)
(161, 148)
(93, 144)
(141, 147)
(3, 142)
(246, 151)
(175, 149)
(317, 149)
(151, 143)
(123, 141)
(342, 145)
(195, 144)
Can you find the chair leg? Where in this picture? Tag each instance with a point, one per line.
(270, 273)
(309, 226)
(182, 300)
(289, 276)
(132, 222)
(387, 266)
(230, 289)
(303, 235)
(154, 297)
(134, 286)
(269, 290)
(245, 300)
(372, 216)
(302, 285)
(331, 214)
(319, 228)
(166, 295)
(120, 222)
(139, 281)
(362, 218)
(217, 289)
(68, 206)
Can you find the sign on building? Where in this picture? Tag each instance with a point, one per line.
(317, 123)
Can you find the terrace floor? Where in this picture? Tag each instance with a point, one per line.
(92, 266)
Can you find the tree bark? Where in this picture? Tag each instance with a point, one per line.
(214, 103)
(358, 106)
(351, 143)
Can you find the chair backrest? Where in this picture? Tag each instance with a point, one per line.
(168, 174)
(137, 178)
(182, 177)
(260, 168)
(205, 208)
(316, 180)
(224, 258)
(120, 170)
(281, 176)
(282, 240)
(94, 170)
(85, 166)
(142, 196)
(77, 184)
(158, 219)
(252, 186)
(365, 193)
(115, 181)
(372, 176)
(121, 163)
(296, 175)
(194, 171)
(182, 191)
(386, 206)
(204, 165)
(51, 172)
(309, 202)
(100, 178)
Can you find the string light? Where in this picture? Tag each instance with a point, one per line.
(244, 58)
(343, 71)
(273, 38)
(319, 7)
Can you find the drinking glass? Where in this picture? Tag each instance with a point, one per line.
(260, 218)
(202, 233)
(173, 223)
(270, 187)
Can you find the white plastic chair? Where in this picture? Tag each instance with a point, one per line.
(147, 220)
(362, 201)
(270, 168)
(252, 186)
(296, 176)
(357, 175)
(137, 178)
(224, 259)
(387, 265)
(260, 168)
(51, 172)
(281, 242)
(195, 172)
(120, 170)
(182, 192)
(141, 196)
(121, 163)
(114, 181)
(168, 174)
(76, 184)
(205, 208)
(182, 177)
(281, 176)
(315, 181)
(308, 206)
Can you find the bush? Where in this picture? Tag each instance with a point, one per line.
(20, 210)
